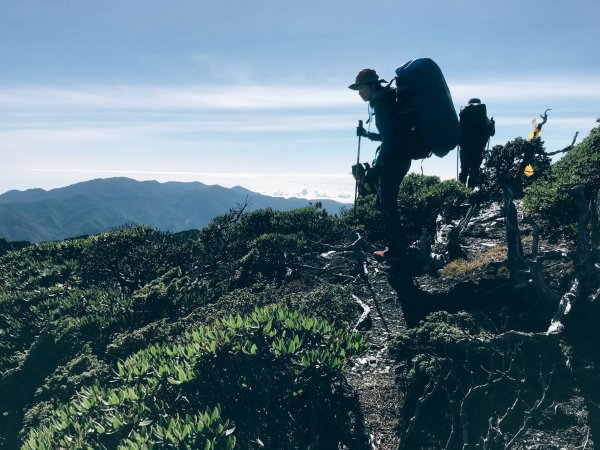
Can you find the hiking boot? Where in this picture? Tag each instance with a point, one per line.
(387, 255)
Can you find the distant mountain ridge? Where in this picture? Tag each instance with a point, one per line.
(102, 204)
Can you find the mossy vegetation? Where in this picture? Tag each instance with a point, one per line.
(549, 199)
(463, 268)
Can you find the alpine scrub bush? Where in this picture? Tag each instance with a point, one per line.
(201, 431)
(66, 316)
(365, 218)
(422, 198)
(227, 236)
(310, 223)
(131, 257)
(504, 166)
(330, 302)
(256, 244)
(167, 396)
(6, 246)
(268, 254)
(548, 198)
(38, 266)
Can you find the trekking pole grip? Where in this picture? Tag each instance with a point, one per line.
(360, 125)
(359, 128)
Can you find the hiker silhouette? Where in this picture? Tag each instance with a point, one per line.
(391, 163)
(476, 130)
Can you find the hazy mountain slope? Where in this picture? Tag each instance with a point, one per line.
(98, 205)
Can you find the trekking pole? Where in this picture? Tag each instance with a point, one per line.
(360, 125)
(457, 156)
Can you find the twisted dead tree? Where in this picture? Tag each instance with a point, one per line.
(537, 127)
(453, 247)
(585, 289)
(470, 388)
(515, 260)
(567, 148)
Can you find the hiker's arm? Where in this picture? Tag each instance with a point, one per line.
(373, 136)
(360, 131)
(384, 118)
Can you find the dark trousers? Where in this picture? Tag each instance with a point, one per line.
(390, 177)
(470, 161)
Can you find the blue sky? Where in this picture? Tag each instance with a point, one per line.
(255, 93)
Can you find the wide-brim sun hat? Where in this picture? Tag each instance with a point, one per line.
(365, 76)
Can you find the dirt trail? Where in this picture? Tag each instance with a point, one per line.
(373, 375)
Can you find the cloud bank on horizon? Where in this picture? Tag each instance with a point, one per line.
(262, 102)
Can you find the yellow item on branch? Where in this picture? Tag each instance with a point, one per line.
(528, 170)
(536, 132)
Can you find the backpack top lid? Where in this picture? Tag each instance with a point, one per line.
(478, 110)
(437, 121)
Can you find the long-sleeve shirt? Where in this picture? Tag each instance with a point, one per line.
(383, 103)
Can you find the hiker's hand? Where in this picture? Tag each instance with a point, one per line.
(372, 174)
(361, 132)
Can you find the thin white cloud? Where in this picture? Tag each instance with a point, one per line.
(161, 98)
(531, 88)
(173, 130)
(235, 175)
(582, 122)
(254, 97)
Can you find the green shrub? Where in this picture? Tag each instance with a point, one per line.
(115, 293)
(260, 368)
(39, 265)
(229, 238)
(504, 165)
(421, 200)
(548, 198)
(365, 218)
(63, 313)
(332, 303)
(269, 254)
(131, 257)
(7, 246)
(309, 223)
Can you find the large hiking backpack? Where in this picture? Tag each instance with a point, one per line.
(437, 124)
(474, 125)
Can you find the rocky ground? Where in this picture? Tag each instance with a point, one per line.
(391, 306)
